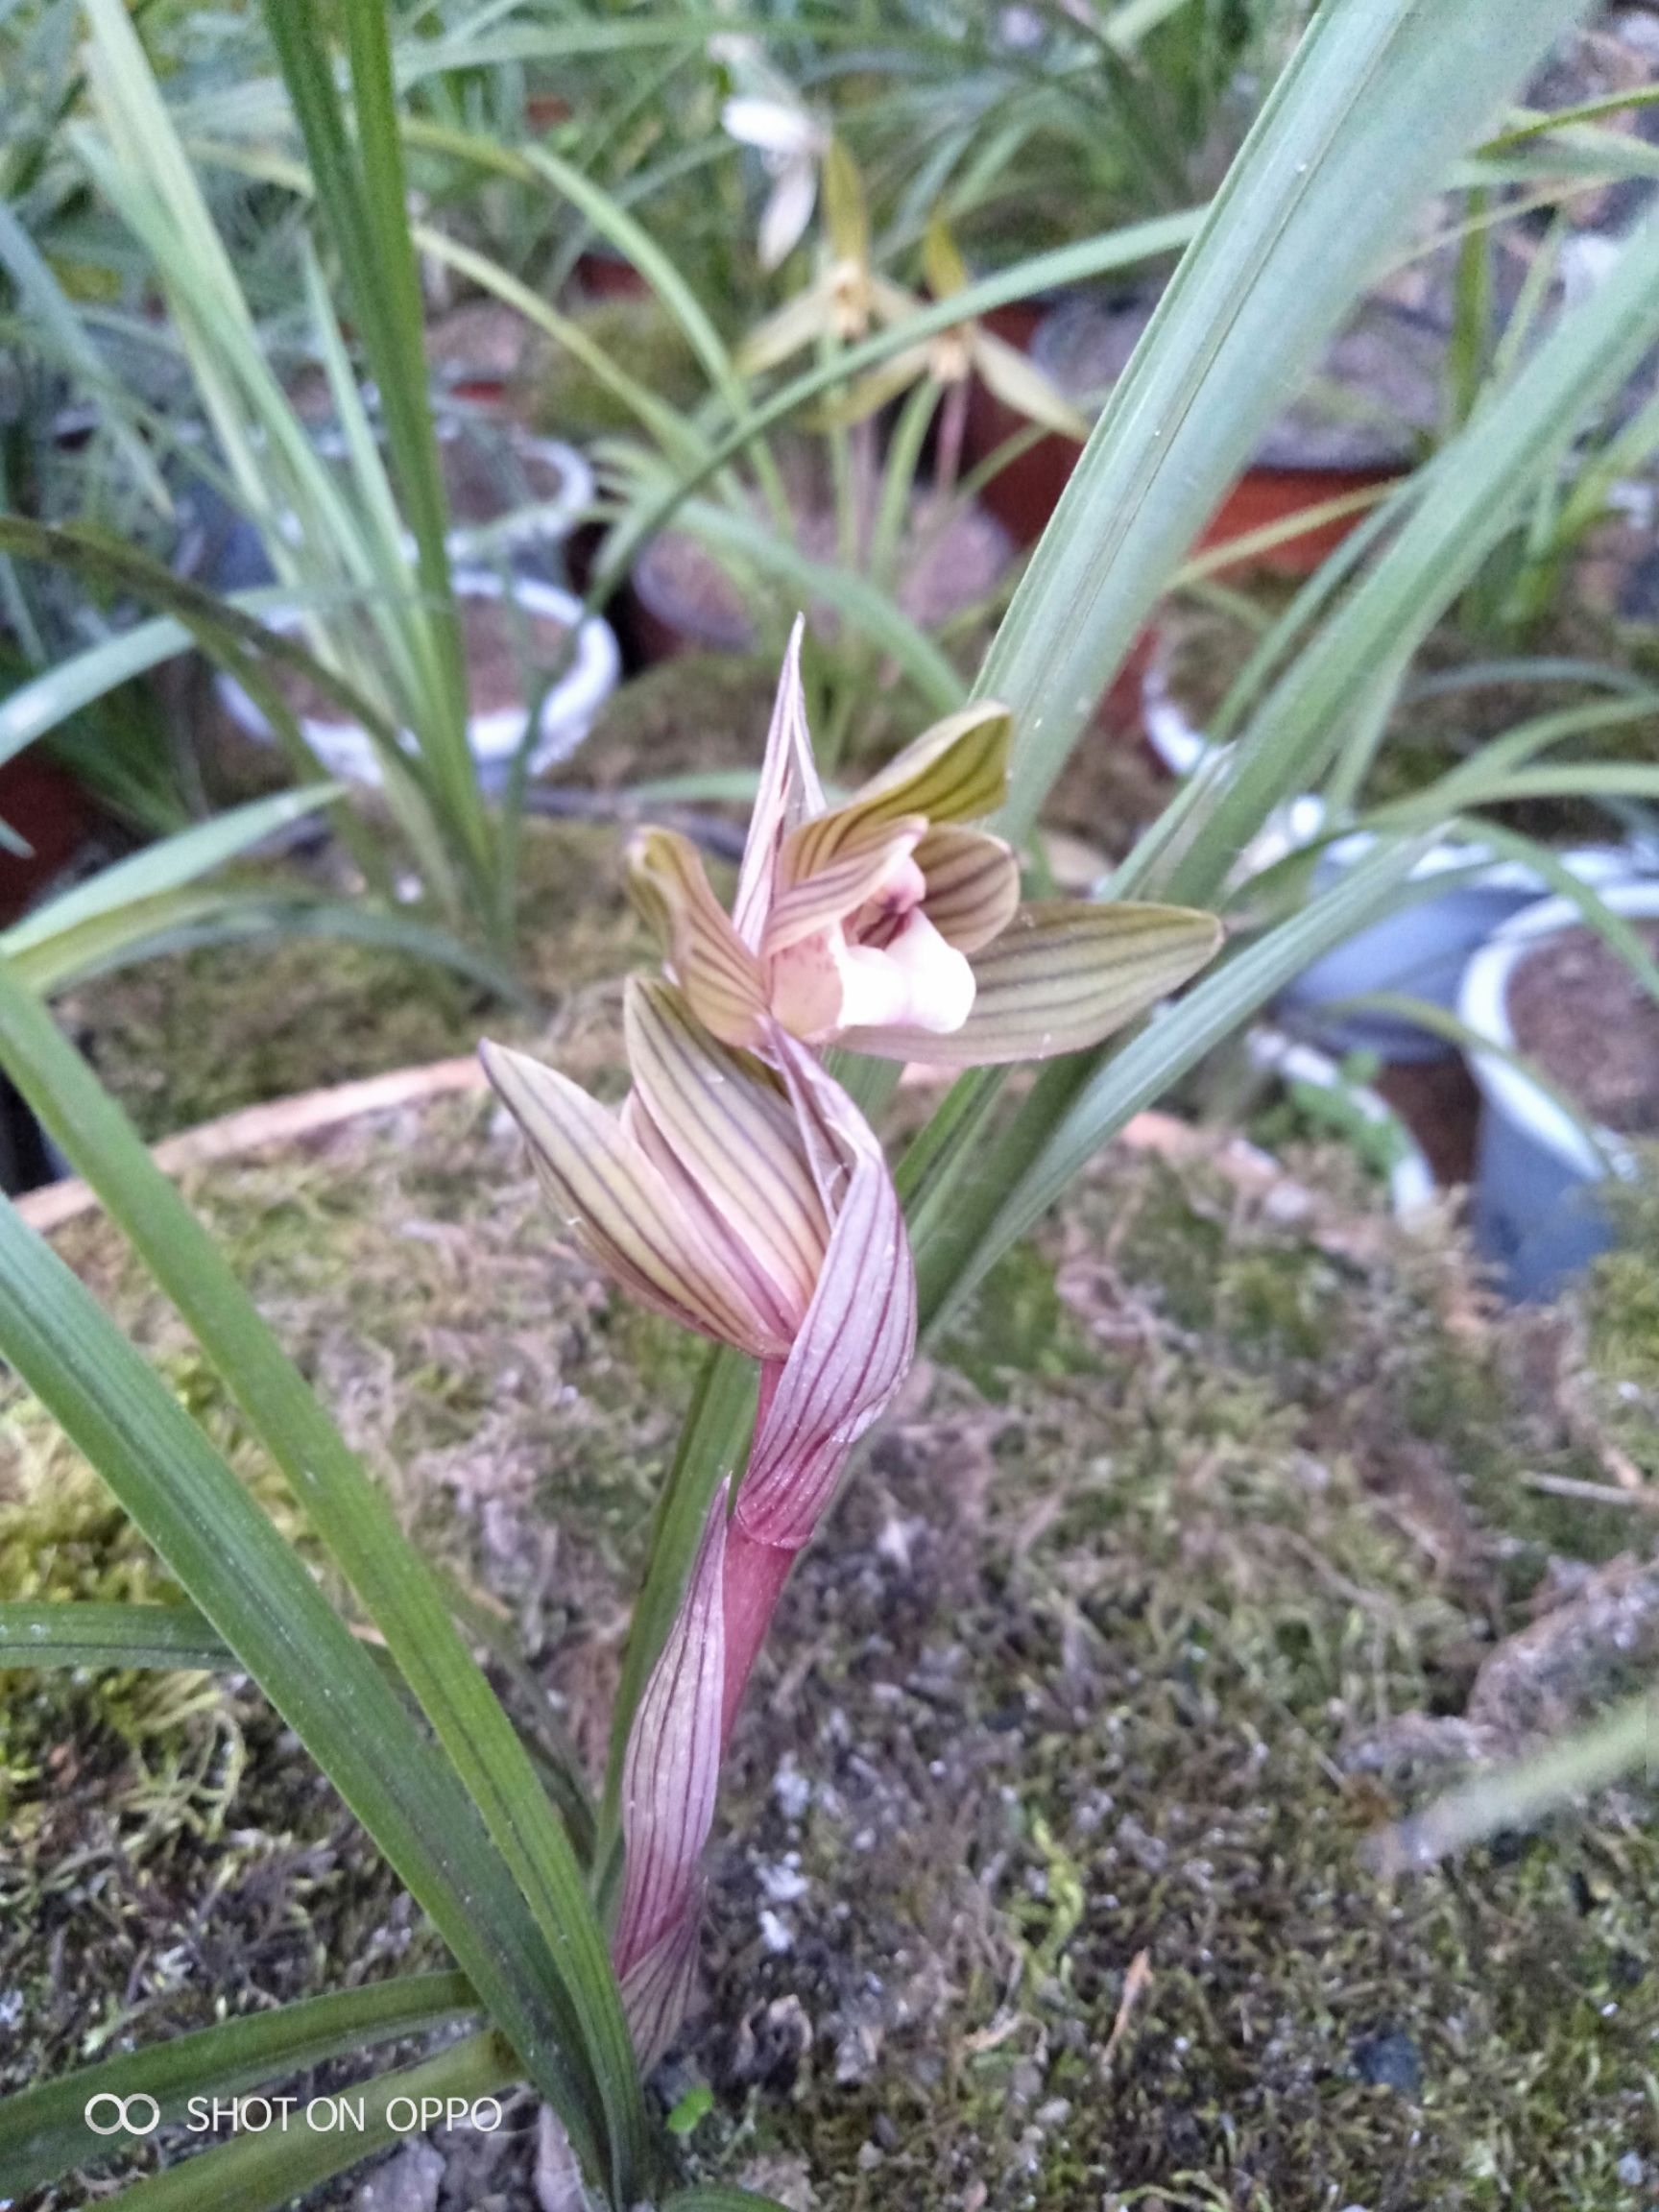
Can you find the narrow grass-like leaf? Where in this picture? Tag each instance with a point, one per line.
(1463, 505)
(82, 678)
(256, 1590)
(1077, 1106)
(43, 2129)
(1520, 1795)
(166, 865)
(72, 1632)
(1370, 112)
(860, 603)
(711, 2197)
(356, 1522)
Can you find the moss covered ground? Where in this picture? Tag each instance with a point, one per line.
(1210, 1543)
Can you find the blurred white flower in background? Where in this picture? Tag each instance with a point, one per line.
(791, 142)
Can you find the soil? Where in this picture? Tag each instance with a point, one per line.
(1579, 1013)
(510, 653)
(489, 474)
(1205, 1546)
(952, 558)
(1440, 720)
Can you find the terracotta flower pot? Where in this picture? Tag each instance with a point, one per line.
(608, 277)
(52, 813)
(1383, 370)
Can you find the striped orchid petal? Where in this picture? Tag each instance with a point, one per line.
(954, 772)
(789, 793)
(860, 1333)
(864, 866)
(668, 1785)
(622, 1210)
(1061, 977)
(724, 1123)
(973, 885)
(717, 972)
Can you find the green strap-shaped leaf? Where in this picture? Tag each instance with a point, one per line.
(1374, 106)
(712, 2197)
(73, 1632)
(256, 2173)
(44, 2131)
(1077, 1105)
(1468, 499)
(356, 1522)
(362, 198)
(257, 1593)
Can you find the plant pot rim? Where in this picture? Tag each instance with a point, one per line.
(545, 522)
(1410, 1179)
(1184, 750)
(1484, 1008)
(567, 714)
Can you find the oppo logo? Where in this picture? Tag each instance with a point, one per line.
(106, 2114)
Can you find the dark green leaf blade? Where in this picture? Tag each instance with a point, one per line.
(258, 2172)
(258, 1595)
(355, 1520)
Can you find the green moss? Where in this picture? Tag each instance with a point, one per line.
(1106, 1651)
(1019, 1321)
(184, 1039)
(570, 402)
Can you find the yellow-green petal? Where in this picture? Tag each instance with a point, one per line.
(954, 772)
(973, 884)
(734, 1138)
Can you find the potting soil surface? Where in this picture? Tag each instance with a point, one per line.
(1583, 1017)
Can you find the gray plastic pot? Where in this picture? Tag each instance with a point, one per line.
(1410, 1178)
(1419, 950)
(1538, 1172)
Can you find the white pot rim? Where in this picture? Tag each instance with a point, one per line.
(546, 520)
(1484, 1008)
(567, 714)
(1410, 1179)
(1183, 749)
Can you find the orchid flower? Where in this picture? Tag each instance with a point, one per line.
(740, 1190)
(848, 298)
(791, 143)
(891, 926)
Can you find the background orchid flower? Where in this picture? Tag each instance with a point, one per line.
(850, 295)
(892, 926)
(750, 1200)
(791, 142)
